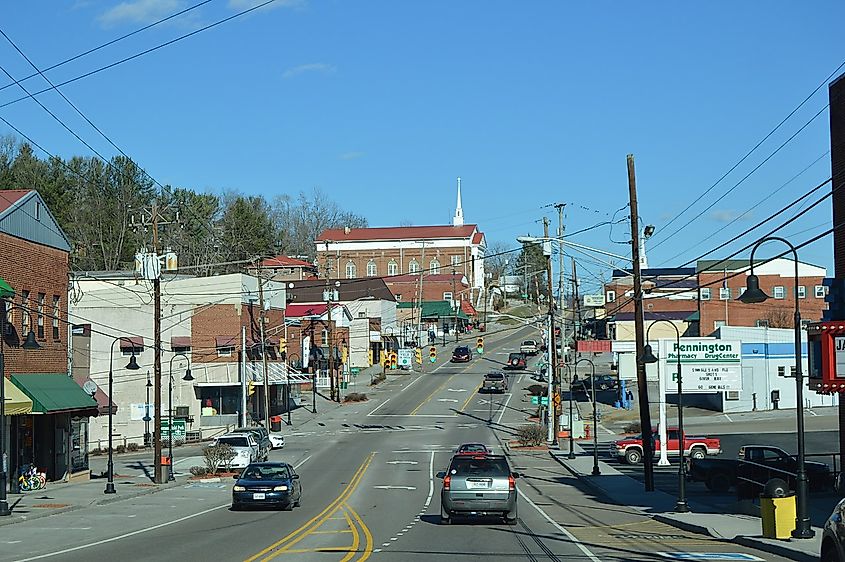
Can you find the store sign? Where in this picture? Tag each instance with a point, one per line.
(595, 301)
(179, 430)
(708, 365)
(839, 342)
(406, 357)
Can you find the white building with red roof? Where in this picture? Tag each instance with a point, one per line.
(349, 253)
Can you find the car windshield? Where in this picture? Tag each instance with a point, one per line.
(266, 472)
(494, 376)
(474, 448)
(479, 466)
(461, 350)
(233, 441)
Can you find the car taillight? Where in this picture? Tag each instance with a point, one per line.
(447, 482)
(511, 482)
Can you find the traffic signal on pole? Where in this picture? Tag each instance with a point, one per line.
(479, 345)
(393, 360)
(418, 355)
(432, 354)
(250, 388)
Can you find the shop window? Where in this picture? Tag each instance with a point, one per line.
(42, 300)
(220, 400)
(56, 315)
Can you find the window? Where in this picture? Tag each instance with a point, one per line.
(611, 296)
(392, 268)
(38, 210)
(25, 313)
(782, 371)
(704, 294)
(181, 349)
(42, 299)
(455, 260)
(325, 336)
(350, 270)
(447, 296)
(779, 292)
(434, 267)
(413, 266)
(372, 271)
(225, 350)
(762, 323)
(10, 318)
(724, 293)
(802, 292)
(56, 314)
(819, 291)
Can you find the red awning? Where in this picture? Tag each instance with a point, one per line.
(100, 397)
(226, 341)
(467, 308)
(128, 342)
(180, 341)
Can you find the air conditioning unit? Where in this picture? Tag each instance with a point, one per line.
(732, 395)
(182, 411)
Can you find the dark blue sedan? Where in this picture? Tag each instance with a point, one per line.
(267, 484)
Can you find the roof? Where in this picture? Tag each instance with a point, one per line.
(311, 290)
(657, 272)
(300, 310)
(286, 261)
(415, 278)
(25, 215)
(54, 392)
(477, 237)
(396, 233)
(8, 197)
(722, 265)
(434, 309)
(467, 308)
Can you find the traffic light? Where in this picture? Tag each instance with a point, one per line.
(479, 345)
(432, 354)
(393, 360)
(418, 355)
(250, 388)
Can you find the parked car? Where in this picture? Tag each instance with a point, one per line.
(602, 382)
(529, 347)
(244, 445)
(630, 449)
(478, 485)
(516, 361)
(267, 483)
(756, 463)
(833, 535)
(473, 449)
(462, 354)
(261, 436)
(277, 440)
(494, 382)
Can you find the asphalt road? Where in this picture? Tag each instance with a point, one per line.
(369, 491)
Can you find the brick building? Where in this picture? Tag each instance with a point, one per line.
(286, 268)
(51, 409)
(441, 287)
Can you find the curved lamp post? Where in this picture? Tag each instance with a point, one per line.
(681, 505)
(596, 470)
(753, 295)
(187, 377)
(131, 366)
(571, 454)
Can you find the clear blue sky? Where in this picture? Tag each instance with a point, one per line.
(382, 104)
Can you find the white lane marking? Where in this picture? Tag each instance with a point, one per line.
(13, 542)
(430, 482)
(303, 461)
(409, 384)
(395, 487)
(379, 406)
(447, 400)
(728, 418)
(464, 390)
(607, 430)
(401, 462)
(504, 407)
(569, 535)
(123, 536)
(442, 416)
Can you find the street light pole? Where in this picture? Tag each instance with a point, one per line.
(187, 377)
(132, 366)
(4, 502)
(681, 506)
(753, 295)
(596, 469)
(571, 454)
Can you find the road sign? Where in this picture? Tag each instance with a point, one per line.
(540, 400)
(557, 399)
(709, 556)
(178, 430)
(406, 356)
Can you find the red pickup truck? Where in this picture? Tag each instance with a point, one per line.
(631, 449)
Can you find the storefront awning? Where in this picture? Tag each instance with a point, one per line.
(16, 401)
(54, 392)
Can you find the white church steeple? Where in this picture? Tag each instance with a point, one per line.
(458, 219)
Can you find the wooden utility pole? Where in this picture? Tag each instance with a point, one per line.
(159, 469)
(639, 328)
(560, 280)
(554, 379)
(264, 367)
(454, 306)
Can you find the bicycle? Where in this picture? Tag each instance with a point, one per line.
(30, 479)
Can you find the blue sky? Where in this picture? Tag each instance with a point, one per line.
(382, 104)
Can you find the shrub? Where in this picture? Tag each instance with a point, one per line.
(216, 456)
(227, 455)
(120, 449)
(537, 390)
(633, 427)
(531, 435)
(198, 470)
(97, 452)
(355, 397)
(132, 447)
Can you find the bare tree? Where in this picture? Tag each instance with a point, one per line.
(779, 317)
(496, 260)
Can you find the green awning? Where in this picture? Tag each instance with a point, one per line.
(54, 392)
(694, 317)
(434, 309)
(6, 290)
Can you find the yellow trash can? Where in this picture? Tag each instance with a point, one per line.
(778, 516)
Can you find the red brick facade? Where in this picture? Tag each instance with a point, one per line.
(385, 261)
(435, 288)
(224, 320)
(38, 270)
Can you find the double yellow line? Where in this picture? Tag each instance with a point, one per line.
(285, 544)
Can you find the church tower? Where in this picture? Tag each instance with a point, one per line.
(458, 219)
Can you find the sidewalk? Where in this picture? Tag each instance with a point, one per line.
(620, 489)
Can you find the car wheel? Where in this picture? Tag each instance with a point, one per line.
(829, 553)
(512, 517)
(719, 482)
(698, 453)
(633, 456)
(445, 517)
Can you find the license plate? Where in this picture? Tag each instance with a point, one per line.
(258, 496)
(477, 485)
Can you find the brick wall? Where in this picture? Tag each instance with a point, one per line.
(402, 258)
(226, 320)
(27, 266)
(407, 291)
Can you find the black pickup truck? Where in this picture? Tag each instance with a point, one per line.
(756, 463)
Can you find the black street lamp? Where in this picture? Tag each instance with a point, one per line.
(681, 505)
(187, 377)
(147, 419)
(753, 295)
(571, 454)
(132, 366)
(596, 469)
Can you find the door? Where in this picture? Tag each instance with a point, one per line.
(673, 440)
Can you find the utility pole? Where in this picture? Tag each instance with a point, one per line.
(639, 321)
(560, 282)
(264, 367)
(454, 306)
(328, 297)
(554, 380)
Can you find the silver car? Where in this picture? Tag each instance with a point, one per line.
(244, 445)
(478, 485)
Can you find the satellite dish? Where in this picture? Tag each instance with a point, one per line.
(90, 387)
